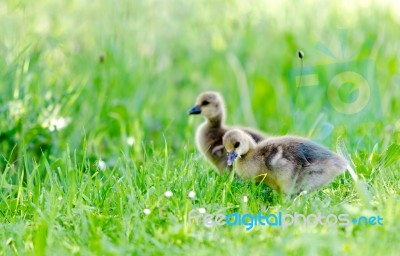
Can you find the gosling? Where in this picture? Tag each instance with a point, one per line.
(287, 164)
(209, 134)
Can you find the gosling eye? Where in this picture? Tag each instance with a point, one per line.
(237, 144)
(205, 103)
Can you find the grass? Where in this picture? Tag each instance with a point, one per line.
(83, 83)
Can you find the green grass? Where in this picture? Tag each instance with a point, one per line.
(122, 70)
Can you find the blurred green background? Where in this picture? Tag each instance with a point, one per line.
(111, 81)
(126, 68)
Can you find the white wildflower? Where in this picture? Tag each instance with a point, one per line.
(192, 194)
(16, 108)
(101, 165)
(245, 199)
(146, 211)
(130, 141)
(57, 123)
(168, 193)
(202, 210)
(59, 198)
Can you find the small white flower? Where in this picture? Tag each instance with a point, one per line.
(16, 108)
(59, 198)
(146, 211)
(101, 165)
(57, 123)
(168, 193)
(192, 194)
(202, 210)
(130, 141)
(245, 199)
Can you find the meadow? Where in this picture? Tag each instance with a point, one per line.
(94, 127)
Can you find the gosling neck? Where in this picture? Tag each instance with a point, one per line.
(252, 144)
(215, 121)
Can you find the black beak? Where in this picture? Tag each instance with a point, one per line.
(231, 158)
(195, 110)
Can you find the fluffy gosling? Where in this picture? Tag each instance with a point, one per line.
(287, 164)
(209, 134)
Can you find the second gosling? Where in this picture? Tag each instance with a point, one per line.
(287, 164)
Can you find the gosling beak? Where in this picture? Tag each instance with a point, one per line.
(231, 158)
(195, 110)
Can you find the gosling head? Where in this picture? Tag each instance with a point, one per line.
(237, 143)
(210, 105)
